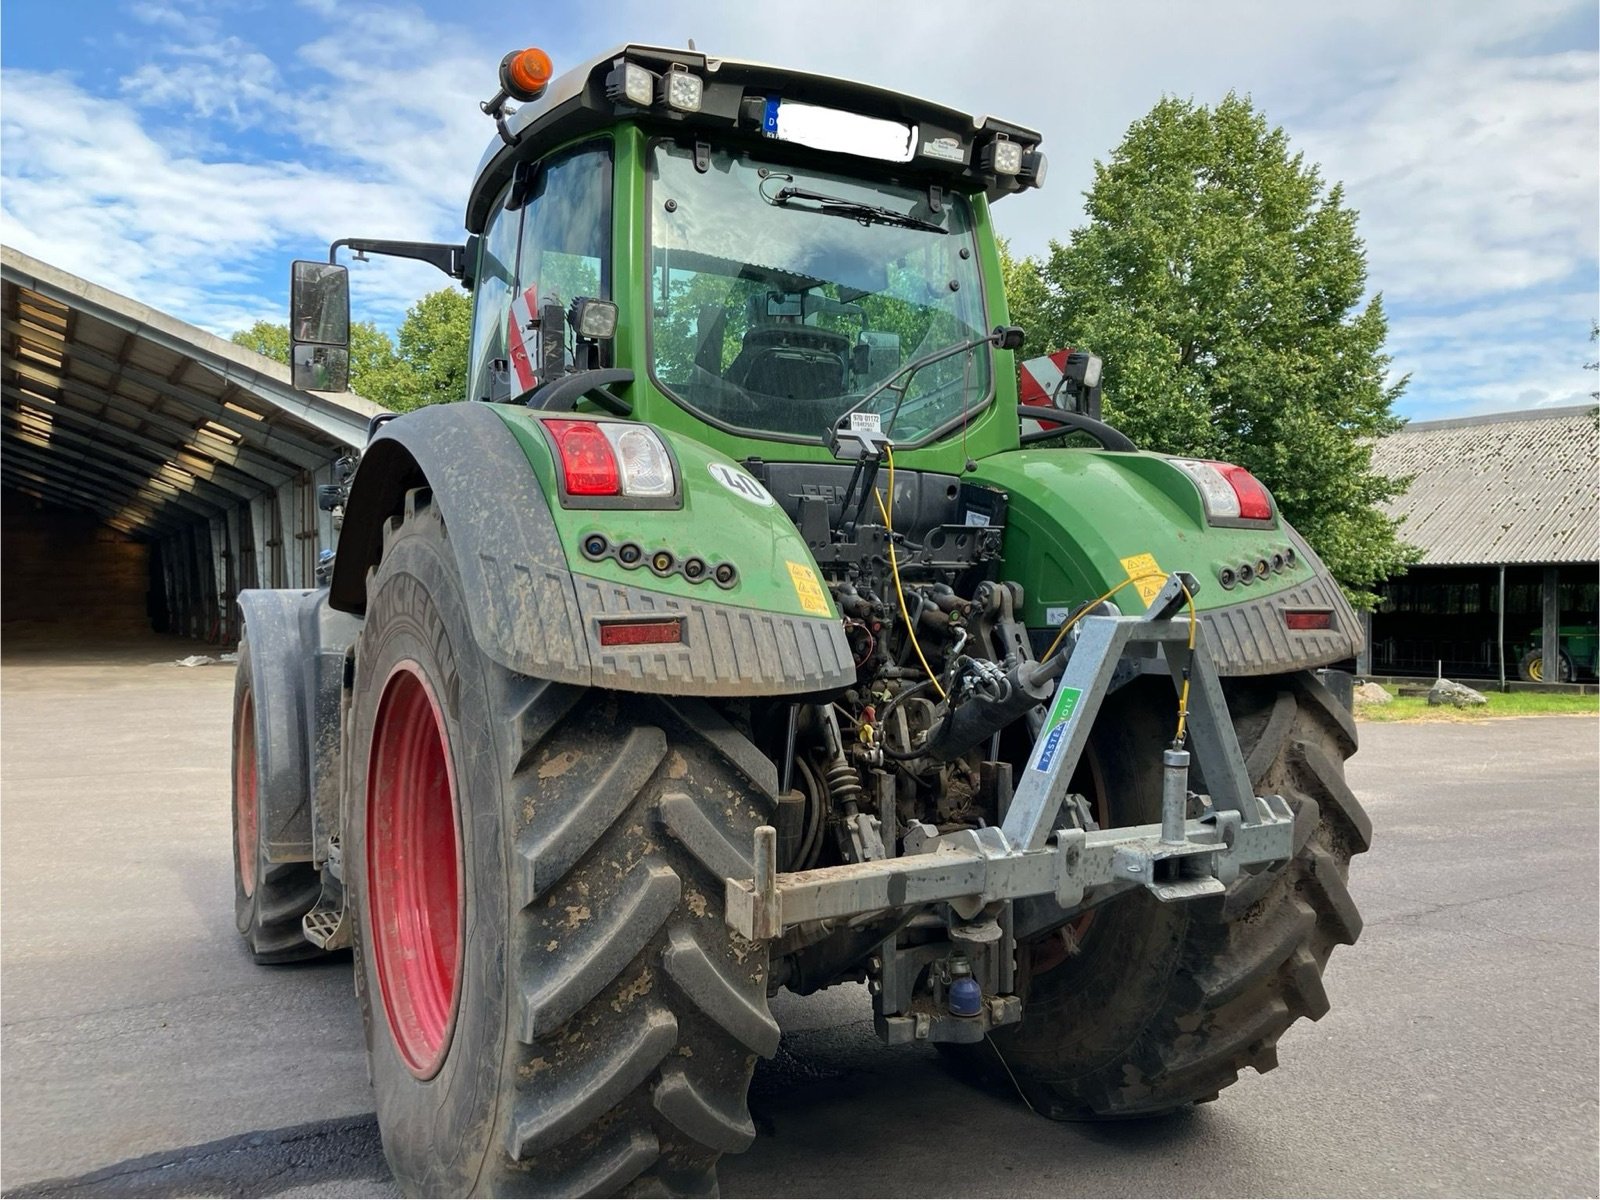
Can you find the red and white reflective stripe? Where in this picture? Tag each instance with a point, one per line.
(1042, 376)
(522, 341)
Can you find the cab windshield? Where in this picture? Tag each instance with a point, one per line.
(780, 296)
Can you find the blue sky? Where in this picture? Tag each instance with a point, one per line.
(183, 151)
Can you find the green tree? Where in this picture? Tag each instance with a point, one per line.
(428, 366)
(1222, 283)
(433, 343)
(1028, 299)
(266, 337)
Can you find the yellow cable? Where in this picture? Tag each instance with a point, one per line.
(894, 569)
(1092, 605)
(1183, 692)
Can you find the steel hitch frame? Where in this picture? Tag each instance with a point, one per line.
(1056, 868)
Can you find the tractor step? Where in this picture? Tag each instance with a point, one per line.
(327, 928)
(327, 925)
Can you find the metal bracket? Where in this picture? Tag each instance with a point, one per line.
(1101, 643)
(1026, 856)
(971, 869)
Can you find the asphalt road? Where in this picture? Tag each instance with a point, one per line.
(141, 1053)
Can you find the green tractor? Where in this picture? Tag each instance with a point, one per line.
(1578, 647)
(740, 630)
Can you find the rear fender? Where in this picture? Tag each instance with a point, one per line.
(297, 650)
(536, 603)
(1079, 522)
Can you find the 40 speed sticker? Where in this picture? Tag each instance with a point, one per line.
(1061, 710)
(740, 484)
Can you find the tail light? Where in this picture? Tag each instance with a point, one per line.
(612, 458)
(1229, 493)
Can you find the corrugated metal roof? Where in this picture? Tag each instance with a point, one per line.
(112, 407)
(1506, 488)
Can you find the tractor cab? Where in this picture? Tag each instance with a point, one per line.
(770, 246)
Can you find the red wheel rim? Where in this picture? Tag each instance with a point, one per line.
(1050, 951)
(246, 810)
(414, 870)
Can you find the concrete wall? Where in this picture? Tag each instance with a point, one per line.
(64, 575)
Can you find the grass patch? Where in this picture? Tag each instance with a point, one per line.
(1501, 704)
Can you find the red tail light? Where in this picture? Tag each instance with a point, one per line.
(1229, 492)
(1254, 503)
(587, 461)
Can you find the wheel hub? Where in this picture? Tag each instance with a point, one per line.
(414, 897)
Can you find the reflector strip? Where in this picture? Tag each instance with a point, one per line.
(1308, 618)
(654, 632)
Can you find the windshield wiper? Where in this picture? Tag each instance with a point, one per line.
(838, 206)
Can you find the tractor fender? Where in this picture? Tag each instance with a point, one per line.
(532, 613)
(1080, 522)
(297, 647)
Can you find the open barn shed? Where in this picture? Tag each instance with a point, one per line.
(151, 470)
(1506, 510)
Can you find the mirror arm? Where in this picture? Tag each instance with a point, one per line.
(449, 258)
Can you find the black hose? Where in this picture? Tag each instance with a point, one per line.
(883, 721)
(811, 841)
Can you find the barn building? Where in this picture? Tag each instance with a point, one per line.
(150, 470)
(1506, 510)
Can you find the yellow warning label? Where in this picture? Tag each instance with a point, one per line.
(1147, 575)
(812, 597)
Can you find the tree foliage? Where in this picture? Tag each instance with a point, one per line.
(428, 366)
(1222, 282)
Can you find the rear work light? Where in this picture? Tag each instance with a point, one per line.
(1229, 493)
(612, 458)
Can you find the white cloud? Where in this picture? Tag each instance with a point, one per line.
(1469, 147)
(1474, 176)
(223, 79)
(1465, 135)
(169, 202)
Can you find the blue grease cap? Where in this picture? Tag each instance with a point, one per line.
(965, 998)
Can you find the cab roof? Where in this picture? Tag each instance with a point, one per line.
(735, 98)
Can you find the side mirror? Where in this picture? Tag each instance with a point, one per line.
(319, 326)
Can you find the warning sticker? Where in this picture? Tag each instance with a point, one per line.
(812, 597)
(1147, 575)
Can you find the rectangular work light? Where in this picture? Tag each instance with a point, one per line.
(631, 83)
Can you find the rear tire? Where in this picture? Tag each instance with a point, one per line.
(606, 1020)
(268, 898)
(1159, 1006)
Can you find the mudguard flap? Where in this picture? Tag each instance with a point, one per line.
(297, 646)
(527, 609)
